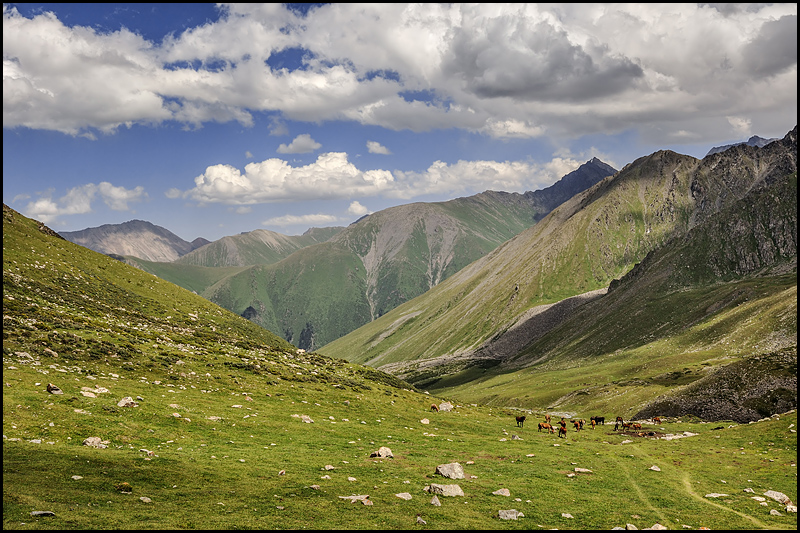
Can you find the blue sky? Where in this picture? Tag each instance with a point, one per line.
(212, 120)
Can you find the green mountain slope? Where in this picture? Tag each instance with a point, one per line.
(256, 247)
(582, 246)
(325, 291)
(702, 308)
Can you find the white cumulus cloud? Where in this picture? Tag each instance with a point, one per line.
(302, 144)
(273, 180)
(375, 147)
(78, 200)
(304, 220)
(506, 70)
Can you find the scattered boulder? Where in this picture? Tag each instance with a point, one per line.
(404, 495)
(42, 513)
(52, 389)
(778, 497)
(145, 499)
(502, 492)
(355, 498)
(127, 401)
(451, 470)
(509, 514)
(383, 452)
(95, 442)
(566, 515)
(445, 407)
(435, 501)
(444, 490)
(420, 521)
(715, 495)
(584, 470)
(425, 421)
(654, 468)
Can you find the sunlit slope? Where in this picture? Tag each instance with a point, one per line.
(691, 309)
(327, 290)
(79, 300)
(582, 245)
(316, 292)
(191, 277)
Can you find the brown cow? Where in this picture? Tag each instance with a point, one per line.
(434, 407)
(520, 420)
(637, 426)
(592, 421)
(547, 418)
(656, 420)
(577, 424)
(562, 432)
(618, 423)
(545, 426)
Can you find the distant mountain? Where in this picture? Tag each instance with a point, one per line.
(135, 238)
(755, 140)
(716, 244)
(256, 247)
(324, 291)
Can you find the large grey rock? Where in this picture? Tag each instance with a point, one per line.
(444, 490)
(778, 497)
(382, 452)
(509, 514)
(451, 470)
(94, 442)
(445, 407)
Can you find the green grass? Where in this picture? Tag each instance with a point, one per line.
(78, 319)
(197, 479)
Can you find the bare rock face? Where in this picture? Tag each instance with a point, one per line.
(137, 238)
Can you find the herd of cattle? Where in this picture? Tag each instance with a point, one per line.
(579, 423)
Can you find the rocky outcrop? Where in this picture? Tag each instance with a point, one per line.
(745, 391)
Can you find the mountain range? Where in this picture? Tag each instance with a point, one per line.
(671, 265)
(361, 271)
(755, 140)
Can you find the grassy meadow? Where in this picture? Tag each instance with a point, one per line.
(260, 467)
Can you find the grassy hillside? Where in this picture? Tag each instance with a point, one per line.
(218, 438)
(259, 247)
(581, 246)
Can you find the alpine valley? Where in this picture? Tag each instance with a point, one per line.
(406, 350)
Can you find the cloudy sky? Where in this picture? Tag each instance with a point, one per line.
(211, 120)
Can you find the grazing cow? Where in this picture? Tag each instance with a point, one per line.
(592, 421)
(545, 426)
(520, 421)
(563, 422)
(577, 424)
(582, 421)
(562, 432)
(656, 420)
(637, 426)
(618, 423)
(434, 407)
(547, 418)
(598, 419)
